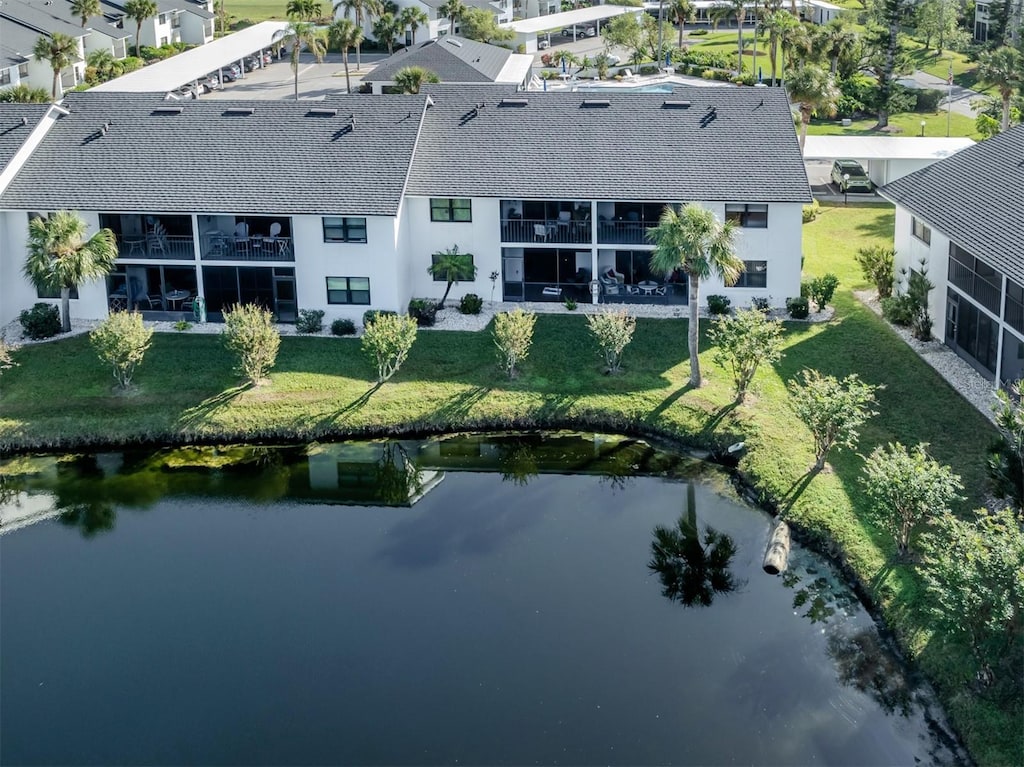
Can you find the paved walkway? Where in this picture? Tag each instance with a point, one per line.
(958, 98)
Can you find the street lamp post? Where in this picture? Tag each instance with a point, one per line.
(922, 128)
(846, 188)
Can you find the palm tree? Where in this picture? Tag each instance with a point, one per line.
(59, 256)
(385, 28)
(356, 8)
(681, 11)
(413, 19)
(734, 9)
(303, 10)
(1003, 68)
(60, 50)
(303, 34)
(83, 9)
(566, 58)
(139, 10)
(815, 90)
(410, 79)
(344, 34)
(835, 40)
(796, 44)
(694, 240)
(777, 23)
(23, 94)
(451, 265)
(452, 10)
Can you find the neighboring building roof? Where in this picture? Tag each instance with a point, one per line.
(568, 18)
(57, 16)
(976, 198)
(166, 75)
(286, 157)
(882, 147)
(162, 6)
(17, 121)
(453, 59)
(610, 146)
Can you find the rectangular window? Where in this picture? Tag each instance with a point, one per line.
(5, 76)
(22, 70)
(163, 41)
(45, 293)
(440, 278)
(920, 231)
(176, 21)
(348, 290)
(749, 216)
(162, 18)
(755, 275)
(338, 229)
(450, 209)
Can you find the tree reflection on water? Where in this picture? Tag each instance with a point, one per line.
(693, 568)
(865, 664)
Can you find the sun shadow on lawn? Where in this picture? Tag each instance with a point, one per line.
(194, 415)
(357, 404)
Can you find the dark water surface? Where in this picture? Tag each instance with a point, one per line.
(232, 607)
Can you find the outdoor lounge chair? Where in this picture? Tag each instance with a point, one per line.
(540, 232)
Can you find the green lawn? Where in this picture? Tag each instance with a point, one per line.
(259, 10)
(322, 387)
(909, 122)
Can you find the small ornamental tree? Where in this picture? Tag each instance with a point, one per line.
(906, 487)
(121, 341)
(974, 572)
(1006, 458)
(878, 266)
(831, 409)
(821, 290)
(613, 330)
(387, 340)
(742, 342)
(6, 358)
(513, 335)
(250, 334)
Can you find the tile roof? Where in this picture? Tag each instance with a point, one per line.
(728, 144)
(12, 132)
(213, 157)
(453, 59)
(976, 198)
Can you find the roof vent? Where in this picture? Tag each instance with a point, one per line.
(240, 111)
(24, 121)
(168, 110)
(322, 112)
(676, 104)
(596, 103)
(456, 43)
(514, 102)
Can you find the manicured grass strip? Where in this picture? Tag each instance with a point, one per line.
(909, 124)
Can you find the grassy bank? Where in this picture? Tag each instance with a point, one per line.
(59, 396)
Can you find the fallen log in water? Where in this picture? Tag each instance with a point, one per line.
(776, 556)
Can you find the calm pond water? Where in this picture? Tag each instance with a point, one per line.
(553, 599)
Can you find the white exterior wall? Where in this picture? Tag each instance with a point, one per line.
(195, 29)
(99, 41)
(481, 237)
(910, 251)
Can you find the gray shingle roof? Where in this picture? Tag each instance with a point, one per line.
(976, 198)
(281, 159)
(636, 147)
(12, 132)
(453, 59)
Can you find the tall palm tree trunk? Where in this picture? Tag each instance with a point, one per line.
(693, 331)
(344, 60)
(739, 44)
(1005, 94)
(65, 309)
(773, 54)
(805, 120)
(56, 76)
(681, 22)
(138, 39)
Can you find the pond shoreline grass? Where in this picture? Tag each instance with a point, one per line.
(59, 398)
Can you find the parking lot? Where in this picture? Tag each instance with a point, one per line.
(277, 80)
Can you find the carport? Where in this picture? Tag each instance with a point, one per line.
(527, 29)
(885, 158)
(189, 66)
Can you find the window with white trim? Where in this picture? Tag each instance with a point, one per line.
(348, 290)
(748, 216)
(920, 231)
(344, 229)
(451, 209)
(754, 275)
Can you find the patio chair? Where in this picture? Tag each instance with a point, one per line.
(610, 286)
(156, 240)
(661, 290)
(277, 245)
(540, 232)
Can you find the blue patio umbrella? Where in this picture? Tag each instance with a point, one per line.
(668, 58)
(563, 66)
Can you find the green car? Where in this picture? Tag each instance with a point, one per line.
(849, 176)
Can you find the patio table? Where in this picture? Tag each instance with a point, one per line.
(175, 297)
(648, 287)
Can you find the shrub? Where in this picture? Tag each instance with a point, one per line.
(387, 341)
(250, 334)
(928, 100)
(877, 265)
(649, 69)
(899, 309)
(761, 304)
(798, 308)
(310, 321)
(821, 290)
(182, 325)
(41, 321)
(613, 330)
(810, 212)
(743, 342)
(570, 303)
(698, 33)
(471, 303)
(718, 304)
(121, 341)
(343, 327)
(371, 314)
(6, 358)
(513, 335)
(423, 311)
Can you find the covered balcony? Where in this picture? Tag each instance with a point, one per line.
(627, 223)
(158, 291)
(625, 276)
(246, 238)
(142, 236)
(550, 221)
